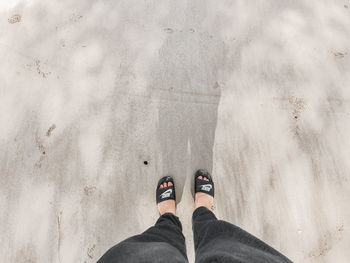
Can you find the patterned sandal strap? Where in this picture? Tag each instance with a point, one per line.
(166, 193)
(203, 186)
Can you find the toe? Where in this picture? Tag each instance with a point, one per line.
(200, 177)
(165, 185)
(161, 186)
(206, 179)
(170, 184)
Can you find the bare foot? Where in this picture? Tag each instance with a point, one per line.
(203, 199)
(167, 206)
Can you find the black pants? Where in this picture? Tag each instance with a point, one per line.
(214, 241)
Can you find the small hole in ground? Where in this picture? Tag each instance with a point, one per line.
(145, 163)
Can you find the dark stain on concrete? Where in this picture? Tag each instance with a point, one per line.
(340, 228)
(75, 18)
(38, 69)
(324, 248)
(168, 30)
(90, 251)
(39, 162)
(89, 190)
(298, 104)
(339, 55)
(49, 131)
(216, 85)
(327, 241)
(39, 144)
(62, 43)
(42, 150)
(16, 18)
(272, 179)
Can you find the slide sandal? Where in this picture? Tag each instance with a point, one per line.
(165, 193)
(201, 185)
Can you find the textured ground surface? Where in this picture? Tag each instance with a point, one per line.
(256, 91)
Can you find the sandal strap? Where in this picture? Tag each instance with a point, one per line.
(203, 186)
(166, 193)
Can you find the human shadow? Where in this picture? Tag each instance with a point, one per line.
(186, 81)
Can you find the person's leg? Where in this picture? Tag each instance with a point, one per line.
(164, 242)
(219, 241)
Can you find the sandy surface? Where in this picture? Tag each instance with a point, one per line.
(255, 91)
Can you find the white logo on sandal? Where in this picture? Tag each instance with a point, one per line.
(206, 187)
(166, 194)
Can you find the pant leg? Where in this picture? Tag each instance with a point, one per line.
(164, 242)
(219, 241)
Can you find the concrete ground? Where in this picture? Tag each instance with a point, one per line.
(99, 99)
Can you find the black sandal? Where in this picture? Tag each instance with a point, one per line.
(201, 185)
(165, 193)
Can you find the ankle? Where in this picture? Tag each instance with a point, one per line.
(167, 207)
(202, 199)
